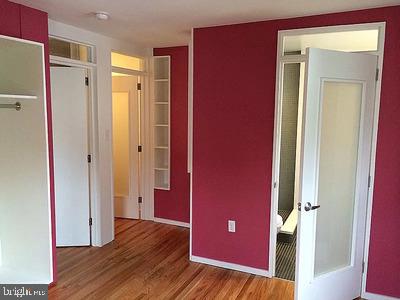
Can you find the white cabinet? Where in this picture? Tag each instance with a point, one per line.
(162, 135)
(25, 224)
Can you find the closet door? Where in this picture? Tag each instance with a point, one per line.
(71, 170)
(25, 234)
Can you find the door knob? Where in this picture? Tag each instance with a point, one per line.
(308, 206)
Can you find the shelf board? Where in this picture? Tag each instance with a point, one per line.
(161, 102)
(161, 169)
(161, 147)
(14, 96)
(161, 125)
(161, 80)
(161, 188)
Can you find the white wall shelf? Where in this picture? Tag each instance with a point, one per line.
(21, 97)
(162, 122)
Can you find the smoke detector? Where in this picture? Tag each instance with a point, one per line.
(102, 15)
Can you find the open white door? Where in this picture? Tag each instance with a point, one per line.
(70, 131)
(337, 130)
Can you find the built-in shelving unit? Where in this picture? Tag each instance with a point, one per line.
(162, 122)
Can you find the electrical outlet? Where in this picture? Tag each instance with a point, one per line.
(231, 226)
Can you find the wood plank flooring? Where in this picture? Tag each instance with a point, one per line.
(149, 260)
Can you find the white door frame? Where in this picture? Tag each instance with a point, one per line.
(132, 125)
(147, 181)
(281, 60)
(146, 178)
(93, 166)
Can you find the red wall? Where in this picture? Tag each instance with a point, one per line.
(174, 204)
(31, 24)
(234, 95)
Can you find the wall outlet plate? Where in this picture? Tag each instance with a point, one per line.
(231, 226)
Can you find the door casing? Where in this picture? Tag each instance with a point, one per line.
(89, 67)
(281, 60)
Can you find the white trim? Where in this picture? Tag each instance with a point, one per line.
(71, 62)
(381, 52)
(172, 222)
(127, 71)
(45, 103)
(190, 105)
(146, 139)
(334, 28)
(372, 296)
(275, 171)
(190, 135)
(230, 266)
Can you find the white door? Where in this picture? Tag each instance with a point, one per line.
(338, 117)
(71, 172)
(126, 128)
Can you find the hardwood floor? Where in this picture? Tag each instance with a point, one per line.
(149, 260)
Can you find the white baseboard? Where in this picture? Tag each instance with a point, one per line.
(372, 296)
(172, 222)
(231, 266)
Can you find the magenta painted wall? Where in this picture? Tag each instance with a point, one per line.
(31, 24)
(234, 95)
(175, 203)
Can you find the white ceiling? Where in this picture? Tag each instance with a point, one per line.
(159, 23)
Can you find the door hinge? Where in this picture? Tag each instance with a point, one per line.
(89, 158)
(140, 199)
(363, 267)
(87, 81)
(139, 86)
(377, 74)
(90, 221)
(139, 148)
(275, 185)
(369, 181)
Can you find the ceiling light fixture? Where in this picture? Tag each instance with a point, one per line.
(102, 15)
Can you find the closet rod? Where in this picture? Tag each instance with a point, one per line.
(17, 106)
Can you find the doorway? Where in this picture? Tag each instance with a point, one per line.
(292, 172)
(126, 136)
(289, 170)
(127, 76)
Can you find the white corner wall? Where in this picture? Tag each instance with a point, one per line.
(102, 183)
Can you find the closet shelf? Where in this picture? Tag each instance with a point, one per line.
(161, 125)
(164, 188)
(161, 147)
(14, 96)
(161, 80)
(161, 169)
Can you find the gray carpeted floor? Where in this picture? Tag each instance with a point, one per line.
(285, 255)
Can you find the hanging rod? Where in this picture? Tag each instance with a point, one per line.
(17, 106)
